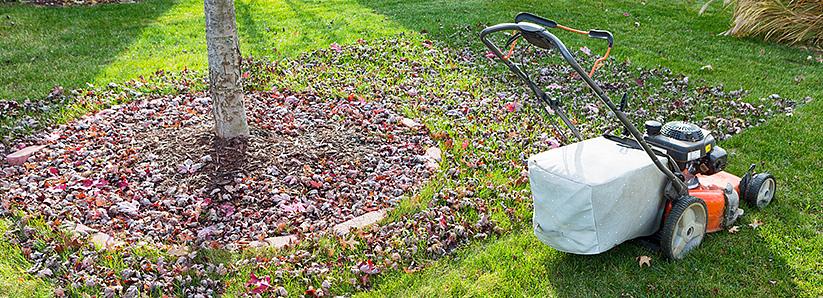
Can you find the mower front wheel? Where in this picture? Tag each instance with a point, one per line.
(760, 190)
(684, 227)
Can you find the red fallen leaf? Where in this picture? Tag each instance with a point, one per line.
(490, 55)
(351, 96)
(465, 144)
(245, 75)
(368, 267)
(260, 285)
(315, 184)
(54, 171)
(59, 187)
(336, 47)
(512, 106)
(311, 292)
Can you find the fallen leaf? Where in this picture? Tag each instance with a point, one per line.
(179, 251)
(734, 229)
(644, 260)
(336, 47)
(349, 243)
(368, 267)
(259, 285)
(756, 223)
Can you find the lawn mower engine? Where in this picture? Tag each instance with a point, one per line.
(693, 148)
(701, 162)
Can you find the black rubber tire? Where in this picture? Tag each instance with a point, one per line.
(753, 190)
(670, 227)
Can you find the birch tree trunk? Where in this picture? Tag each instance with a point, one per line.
(224, 70)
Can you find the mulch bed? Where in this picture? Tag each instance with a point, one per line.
(152, 170)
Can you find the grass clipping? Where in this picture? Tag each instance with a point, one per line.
(798, 22)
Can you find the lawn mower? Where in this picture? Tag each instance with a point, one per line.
(666, 184)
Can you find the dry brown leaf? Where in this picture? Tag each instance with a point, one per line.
(644, 260)
(756, 223)
(734, 229)
(349, 243)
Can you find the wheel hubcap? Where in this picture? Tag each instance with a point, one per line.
(766, 193)
(690, 229)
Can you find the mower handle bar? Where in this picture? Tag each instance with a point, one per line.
(540, 37)
(593, 33)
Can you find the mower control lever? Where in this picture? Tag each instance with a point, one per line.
(602, 34)
(593, 33)
(525, 16)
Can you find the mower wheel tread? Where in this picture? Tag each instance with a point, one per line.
(753, 188)
(670, 227)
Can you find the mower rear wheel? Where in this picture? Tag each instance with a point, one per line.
(760, 190)
(684, 228)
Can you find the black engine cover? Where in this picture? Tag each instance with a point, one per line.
(682, 131)
(683, 141)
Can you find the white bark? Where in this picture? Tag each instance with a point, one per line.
(224, 70)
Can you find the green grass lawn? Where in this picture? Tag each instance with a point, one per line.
(43, 47)
(48, 46)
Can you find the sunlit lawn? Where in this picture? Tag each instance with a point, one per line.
(44, 47)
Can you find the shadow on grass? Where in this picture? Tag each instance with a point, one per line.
(48, 46)
(518, 264)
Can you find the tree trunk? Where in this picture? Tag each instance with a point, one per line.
(224, 70)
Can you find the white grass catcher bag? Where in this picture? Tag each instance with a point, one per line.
(593, 195)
